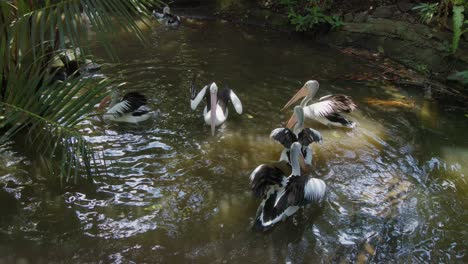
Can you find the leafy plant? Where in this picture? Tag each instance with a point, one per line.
(427, 11)
(459, 23)
(306, 14)
(32, 33)
(459, 76)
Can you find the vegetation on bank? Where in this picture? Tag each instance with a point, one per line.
(444, 15)
(34, 106)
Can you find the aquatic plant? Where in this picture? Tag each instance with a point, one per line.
(306, 14)
(33, 106)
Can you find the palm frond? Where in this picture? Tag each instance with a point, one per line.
(32, 33)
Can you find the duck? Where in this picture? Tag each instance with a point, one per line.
(215, 99)
(305, 136)
(283, 191)
(166, 18)
(131, 108)
(328, 110)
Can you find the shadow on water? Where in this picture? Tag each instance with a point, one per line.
(172, 193)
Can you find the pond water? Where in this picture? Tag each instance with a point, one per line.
(173, 193)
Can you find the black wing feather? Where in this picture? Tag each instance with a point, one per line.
(266, 176)
(308, 136)
(340, 102)
(284, 136)
(134, 101)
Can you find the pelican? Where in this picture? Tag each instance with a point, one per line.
(131, 108)
(283, 191)
(305, 136)
(327, 110)
(166, 18)
(215, 99)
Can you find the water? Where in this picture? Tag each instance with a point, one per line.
(174, 194)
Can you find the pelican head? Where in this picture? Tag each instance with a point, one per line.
(297, 119)
(307, 91)
(113, 98)
(296, 158)
(213, 105)
(166, 10)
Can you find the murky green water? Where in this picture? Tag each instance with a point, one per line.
(173, 194)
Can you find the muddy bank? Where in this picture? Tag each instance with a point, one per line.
(390, 31)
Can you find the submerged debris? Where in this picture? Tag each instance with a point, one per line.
(403, 103)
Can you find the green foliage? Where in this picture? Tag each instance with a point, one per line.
(32, 33)
(427, 11)
(460, 25)
(459, 76)
(313, 17)
(306, 14)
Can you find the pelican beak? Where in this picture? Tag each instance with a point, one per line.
(214, 100)
(104, 102)
(300, 94)
(292, 121)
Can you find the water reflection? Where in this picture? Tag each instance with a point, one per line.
(172, 193)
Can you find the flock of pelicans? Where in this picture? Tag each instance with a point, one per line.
(284, 186)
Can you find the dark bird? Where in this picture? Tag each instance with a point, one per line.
(131, 108)
(166, 18)
(283, 190)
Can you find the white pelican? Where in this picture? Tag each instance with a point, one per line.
(215, 99)
(131, 108)
(166, 18)
(327, 110)
(305, 136)
(283, 191)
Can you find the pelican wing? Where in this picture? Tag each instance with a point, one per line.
(171, 19)
(340, 102)
(308, 136)
(158, 15)
(314, 190)
(131, 102)
(329, 105)
(284, 136)
(339, 120)
(235, 102)
(302, 190)
(195, 98)
(266, 176)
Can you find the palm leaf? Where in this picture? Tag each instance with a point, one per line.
(31, 35)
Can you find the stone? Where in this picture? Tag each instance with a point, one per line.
(385, 11)
(360, 17)
(348, 17)
(405, 6)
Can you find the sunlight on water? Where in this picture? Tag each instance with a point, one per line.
(173, 193)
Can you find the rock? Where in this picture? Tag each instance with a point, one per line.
(405, 6)
(348, 17)
(360, 17)
(385, 11)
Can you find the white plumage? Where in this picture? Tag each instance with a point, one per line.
(283, 191)
(328, 109)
